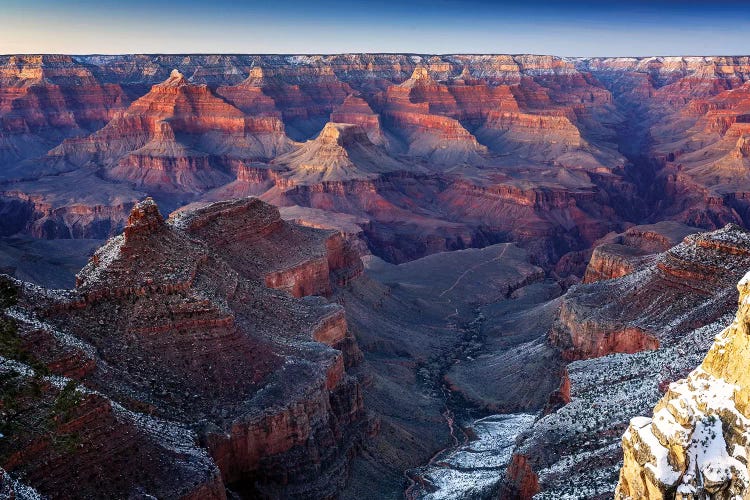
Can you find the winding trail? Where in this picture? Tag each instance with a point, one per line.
(472, 268)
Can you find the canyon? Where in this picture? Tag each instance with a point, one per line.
(364, 275)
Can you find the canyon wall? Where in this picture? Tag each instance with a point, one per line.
(173, 371)
(438, 152)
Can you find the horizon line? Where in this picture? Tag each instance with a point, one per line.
(374, 53)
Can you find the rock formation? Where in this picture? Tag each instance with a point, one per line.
(695, 446)
(45, 99)
(173, 370)
(356, 111)
(620, 254)
(341, 152)
(672, 305)
(415, 108)
(591, 325)
(510, 132)
(573, 169)
(168, 140)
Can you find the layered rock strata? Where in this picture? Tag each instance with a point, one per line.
(174, 350)
(418, 135)
(660, 291)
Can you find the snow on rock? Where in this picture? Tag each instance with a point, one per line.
(605, 394)
(697, 443)
(14, 489)
(474, 469)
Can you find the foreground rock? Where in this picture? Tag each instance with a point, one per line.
(680, 299)
(173, 370)
(696, 444)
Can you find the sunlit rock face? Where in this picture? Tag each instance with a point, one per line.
(341, 152)
(549, 152)
(461, 151)
(47, 98)
(169, 139)
(696, 443)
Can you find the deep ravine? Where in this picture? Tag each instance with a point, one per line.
(472, 466)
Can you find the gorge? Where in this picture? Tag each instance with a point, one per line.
(367, 275)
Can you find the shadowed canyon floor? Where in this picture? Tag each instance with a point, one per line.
(444, 276)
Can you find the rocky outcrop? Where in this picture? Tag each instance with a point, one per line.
(623, 253)
(261, 245)
(522, 479)
(57, 428)
(340, 152)
(611, 261)
(355, 110)
(414, 109)
(168, 321)
(171, 138)
(695, 446)
(594, 320)
(678, 300)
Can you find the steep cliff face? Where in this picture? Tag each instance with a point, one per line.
(621, 254)
(418, 110)
(45, 99)
(254, 238)
(695, 445)
(356, 111)
(628, 314)
(168, 140)
(161, 324)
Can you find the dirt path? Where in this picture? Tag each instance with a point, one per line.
(472, 268)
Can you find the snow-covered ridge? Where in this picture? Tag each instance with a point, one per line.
(698, 441)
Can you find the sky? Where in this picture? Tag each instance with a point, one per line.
(564, 28)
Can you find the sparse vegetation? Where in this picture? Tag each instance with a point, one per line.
(68, 399)
(11, 345)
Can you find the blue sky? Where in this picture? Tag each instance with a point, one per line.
(582, 28)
